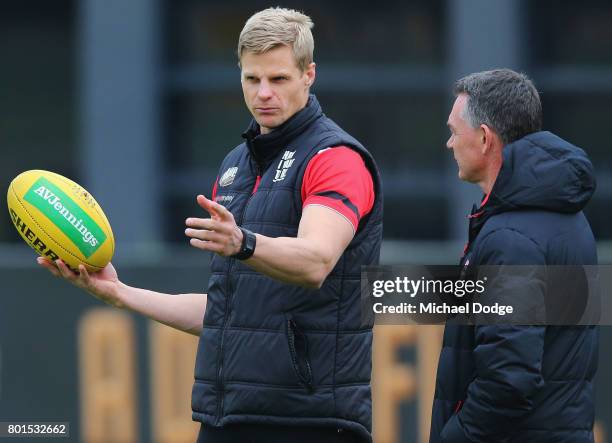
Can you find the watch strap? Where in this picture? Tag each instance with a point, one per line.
(247, 249)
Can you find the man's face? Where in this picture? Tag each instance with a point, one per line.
(273, 85)
(466, 143)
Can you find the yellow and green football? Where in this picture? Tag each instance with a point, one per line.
(60, 219)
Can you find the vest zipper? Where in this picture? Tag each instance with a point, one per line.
(220, 358)
(220, 392)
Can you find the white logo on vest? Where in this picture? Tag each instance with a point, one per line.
(283, 166)
(228, 176)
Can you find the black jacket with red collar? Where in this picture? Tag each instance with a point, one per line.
(504, 383)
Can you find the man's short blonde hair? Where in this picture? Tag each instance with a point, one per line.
(274, 27)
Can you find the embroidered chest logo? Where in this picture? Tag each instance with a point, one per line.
(284, 165)
(224, 199)
(228, 176)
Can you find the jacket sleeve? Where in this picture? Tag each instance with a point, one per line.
(507, 358)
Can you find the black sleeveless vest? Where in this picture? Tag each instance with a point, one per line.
(276, 353)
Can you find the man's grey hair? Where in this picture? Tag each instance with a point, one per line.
(274, 27)
(504, 100)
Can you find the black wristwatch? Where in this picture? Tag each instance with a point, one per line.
(247, 249)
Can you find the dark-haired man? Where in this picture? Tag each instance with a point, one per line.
(505, 383)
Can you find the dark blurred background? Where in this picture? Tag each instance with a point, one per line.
(139, 101)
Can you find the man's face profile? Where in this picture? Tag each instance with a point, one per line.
(274, 87)
(465, 142)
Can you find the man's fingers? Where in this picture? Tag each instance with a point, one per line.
(49, 266)
(205, 235)
(207, 205)
(202, 223)
(206, 245)
(65, 271)
(83, 275)
(59, 269)
(214, 208)
(209, 224)
(215, 234)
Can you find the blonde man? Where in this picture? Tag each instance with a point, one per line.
(295, 212)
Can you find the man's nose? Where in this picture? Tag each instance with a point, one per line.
(264, 92)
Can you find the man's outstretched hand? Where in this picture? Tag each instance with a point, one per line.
(102, 285)
(218, 234)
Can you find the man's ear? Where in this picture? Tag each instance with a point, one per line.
(311, 74)
(488, 139)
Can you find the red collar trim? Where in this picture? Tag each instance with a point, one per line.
(484, 202)
(486, 199)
